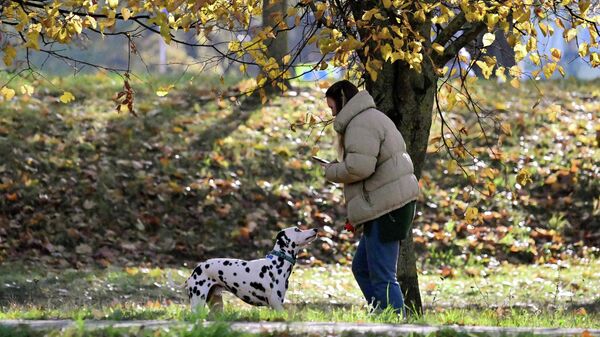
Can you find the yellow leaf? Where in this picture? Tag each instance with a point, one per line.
(570, 34)
(543, 28)
(314, 151)
(452, 165)
(126, 13)
(506, 129)
(26, 89)
(535, 58)
(488, 39)
(584, 49)
(553, 111)
(9, 54)
(132, 270)
(523, 177)
(549, 69)
(520, 52)
(471, 214)
(286, 59)
(90, 21)
(515, 83)
(555, 54)
(33, 40)
(486, 69)
(164, 90)
(500, 73)
(420, 16)
(387, 3)
(292, 11)
(7, 93)
(386, 51)
(595, 59)
(113, 3)
(369, 14)
(438, 48)
(67, 97)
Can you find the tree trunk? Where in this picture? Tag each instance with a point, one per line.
(407, 97)
(273, 11)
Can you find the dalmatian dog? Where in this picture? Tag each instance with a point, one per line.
(261, 282)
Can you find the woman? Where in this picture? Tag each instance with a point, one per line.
(380, 189)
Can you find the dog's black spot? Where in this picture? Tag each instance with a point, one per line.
(264, 269)
(194, 275)
(257, 286)
(271, 275)
(233, 290)
(203, 297)
(261, 275)
(235, 284)
(286, 284)
(197, 282)
(226, 263)
(279, 271)
(271, 285)
(220, 272)
(246, 299)
(234, 274)
(247, 269)
(274, 262)
(195, 288)
(222, 279)
(259, 297)
(198, 271)
(206, 266)
(243, 282)
(279, 293)
(276, 281)
(244, 263)
(293, 245)
(201, 283)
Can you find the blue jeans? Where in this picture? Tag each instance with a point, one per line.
(374, 268)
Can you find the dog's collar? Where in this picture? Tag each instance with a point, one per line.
(281, 255)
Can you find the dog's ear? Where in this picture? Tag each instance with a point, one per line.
(282, 239)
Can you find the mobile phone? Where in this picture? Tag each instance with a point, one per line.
(321, 160)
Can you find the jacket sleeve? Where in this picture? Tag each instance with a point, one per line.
(361, 147)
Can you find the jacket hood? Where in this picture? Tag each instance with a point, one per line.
(357, 104)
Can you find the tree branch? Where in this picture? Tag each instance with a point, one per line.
(468, 35)
(452, 28)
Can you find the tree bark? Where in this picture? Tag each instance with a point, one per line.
(277, 47)
(407, 97)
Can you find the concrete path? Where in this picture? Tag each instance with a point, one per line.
(322, 329)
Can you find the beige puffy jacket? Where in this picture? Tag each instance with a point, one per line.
(377, 172)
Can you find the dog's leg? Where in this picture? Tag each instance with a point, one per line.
(215, 299)
(197, 288)
(276, 302)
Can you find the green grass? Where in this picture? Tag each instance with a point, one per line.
(219, 329)
(507, 295)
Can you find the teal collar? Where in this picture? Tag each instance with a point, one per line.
(281, 255)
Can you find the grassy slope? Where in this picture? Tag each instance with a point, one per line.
(194, 176)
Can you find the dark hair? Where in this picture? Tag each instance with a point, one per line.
(341, 92)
